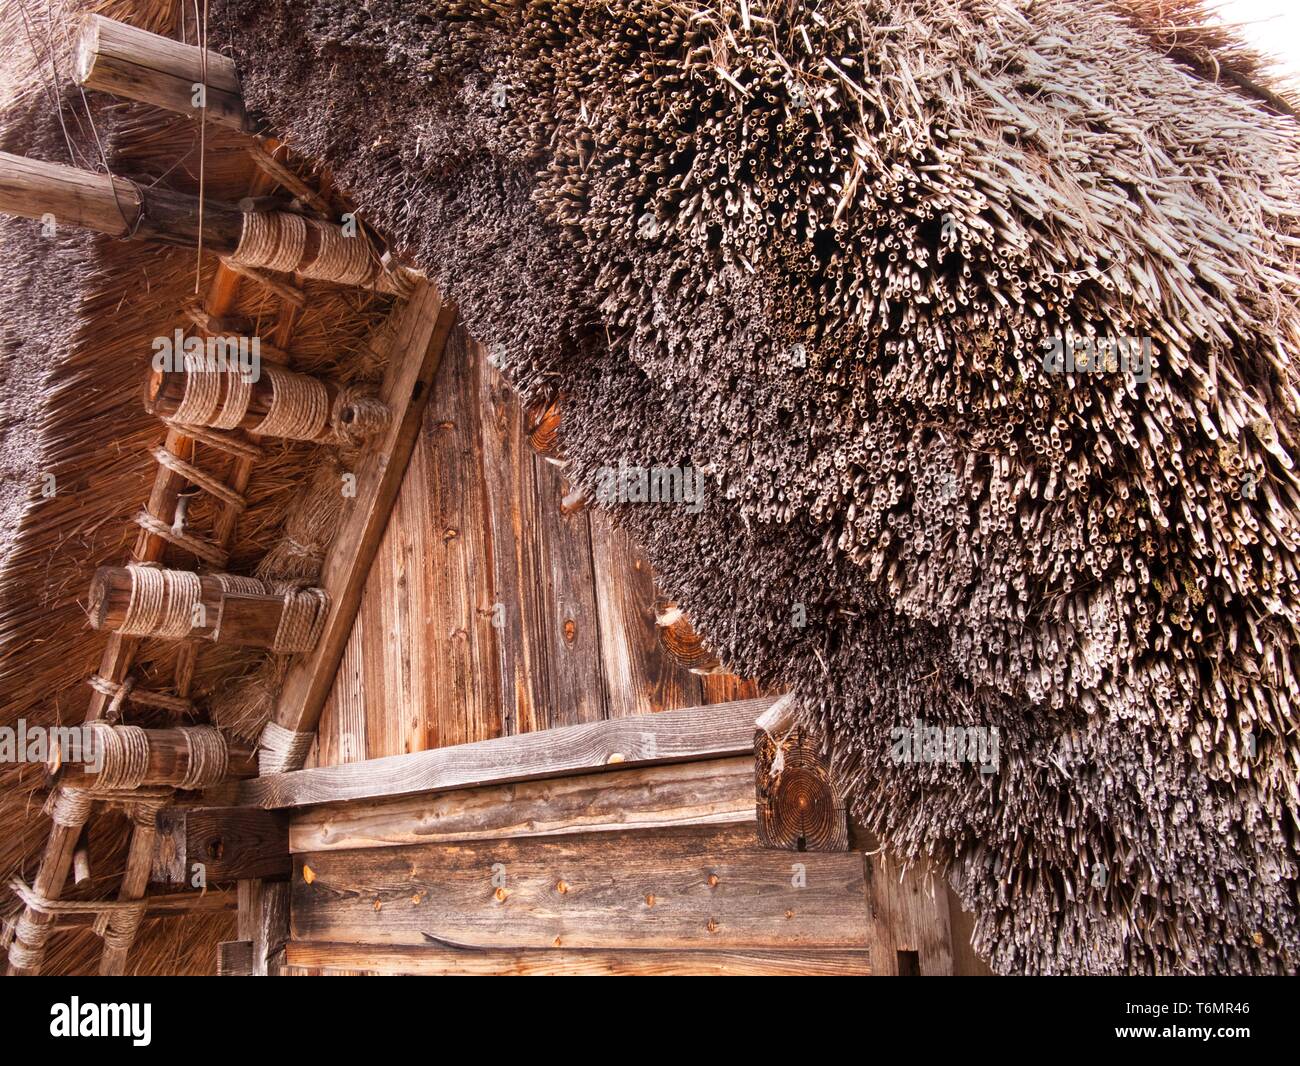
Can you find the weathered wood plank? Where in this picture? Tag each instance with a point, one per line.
(235, 958)
(910, 933)
(264, 923)
(640, 677)
(711, 791)
(415, 337)
(228, 843)
(705, 887)
(673, 736)
(569, 620)
(516, 605)
(431, 961)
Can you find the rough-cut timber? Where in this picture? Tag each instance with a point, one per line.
(168, 762)
(114, 205)
(414, 339)
(113, 57)
(708, 887)
(229, 844)
(673, 736)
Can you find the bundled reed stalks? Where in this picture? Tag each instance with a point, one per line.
(822, 248)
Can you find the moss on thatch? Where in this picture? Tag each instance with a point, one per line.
(817, 248)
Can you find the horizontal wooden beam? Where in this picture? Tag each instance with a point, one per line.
(78, 199)
(168, 761)
(696, 887)
(115, 58)
(710, 732)
(165, 905)
(432, 961)
(228, 844)
(707, 792)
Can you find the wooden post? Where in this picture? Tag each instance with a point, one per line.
(113, 205)
(683, 644)
(169, 763)
(264, 923)
(115, 58)
(798, 806)
(247, 619)
(229, 843)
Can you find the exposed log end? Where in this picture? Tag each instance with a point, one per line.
(798, 806)
(682, 642)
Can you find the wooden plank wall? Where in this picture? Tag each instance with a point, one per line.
(488, 611)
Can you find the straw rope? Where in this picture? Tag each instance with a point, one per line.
(205, 550)
(69, 807)
(281, 750)
(239, 389)
(247, 586)
(341, 258)
(212, 486)
(225, 442)
(127, 690)
(370, 415)
(209, 757)
(116, 920)
(276, 240)
(201, 398)
(161, 602)
(302, 620)
(299, 408)
(124, 756)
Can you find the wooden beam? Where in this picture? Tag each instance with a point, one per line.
(264, 923)
(169, 761)
(235, 958)
(709, 732)
(708, 792)
(433, 961)
(240, 618)
(414, 341)
(707, 887)
(113, 205)
(165, 389)
(115, 58)
(164, 905)
(228, 844)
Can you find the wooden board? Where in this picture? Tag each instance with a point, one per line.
(674, 736)
(709, 887)
(310, 959)
(487, 608)
(640, 676)
(910, 932)
(413, 340)
(711, 791)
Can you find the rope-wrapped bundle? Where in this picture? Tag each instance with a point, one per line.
(278, 240)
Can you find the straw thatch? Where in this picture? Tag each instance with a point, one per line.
(817, 247)
(79, 316)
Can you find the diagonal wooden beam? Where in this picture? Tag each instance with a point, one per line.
(416, 335)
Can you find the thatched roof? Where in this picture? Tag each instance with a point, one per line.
(814, 248)
(648, 206)
(80, 313)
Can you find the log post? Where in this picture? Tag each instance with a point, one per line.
(113, 205)
(219, 614)
(797, 805)
(229, 843)
(170, 761)
(115, 58)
